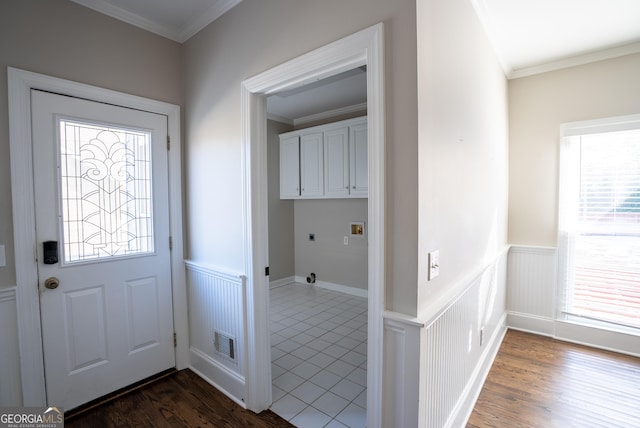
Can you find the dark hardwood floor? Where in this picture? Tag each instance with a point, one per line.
(181, 399)
(536, 381)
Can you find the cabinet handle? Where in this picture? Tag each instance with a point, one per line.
(354, 187)
(347, 187)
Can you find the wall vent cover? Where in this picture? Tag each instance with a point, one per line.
(224, 345)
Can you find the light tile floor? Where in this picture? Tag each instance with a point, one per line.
(318, 356)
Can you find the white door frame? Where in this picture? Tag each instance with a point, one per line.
(365, 47)
(27, 298)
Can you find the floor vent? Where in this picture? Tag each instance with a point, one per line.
(224, 345)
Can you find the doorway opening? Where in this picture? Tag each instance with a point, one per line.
(317, 181)
(364, 48)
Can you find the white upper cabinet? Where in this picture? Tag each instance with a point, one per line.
(289, 167)
(358, 161)
(336, 167)
(311, 165)
(327, 161)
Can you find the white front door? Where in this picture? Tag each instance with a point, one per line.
(101, 202)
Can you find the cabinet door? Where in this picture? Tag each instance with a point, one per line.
(289, 168)
(358, 161)
(311, 165)
(336, 163)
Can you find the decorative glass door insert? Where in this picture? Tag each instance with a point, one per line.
(105, 190)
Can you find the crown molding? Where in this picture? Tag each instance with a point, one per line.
(329, 114)
(129, 17)
(280, 119)
(180, 35)
(573, 61)
(219, 8)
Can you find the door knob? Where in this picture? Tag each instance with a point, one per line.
(51, 283)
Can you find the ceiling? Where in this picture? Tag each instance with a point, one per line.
(334, 96)
(532, 36)
(177, 20)
(529, 37)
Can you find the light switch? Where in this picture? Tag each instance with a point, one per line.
(3, 258)
(346, 240)
(434, 264)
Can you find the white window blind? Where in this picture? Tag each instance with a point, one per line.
(599, 222)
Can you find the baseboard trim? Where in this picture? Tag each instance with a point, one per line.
(335, 287)
(595, 337)
(229, 383)
(531, 323)
(283, 281)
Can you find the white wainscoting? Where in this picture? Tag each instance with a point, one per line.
(532, 278)
(401, 338)
(460, 346)
(532, 304)
(444, 358)
(10, 383)
(217, 302)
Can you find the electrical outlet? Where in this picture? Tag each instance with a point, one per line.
(346, 240)
(3, 258)
(434, 264)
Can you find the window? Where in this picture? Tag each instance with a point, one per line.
(105, 188)
(599, 221)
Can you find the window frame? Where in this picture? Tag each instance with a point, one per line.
(568, 182)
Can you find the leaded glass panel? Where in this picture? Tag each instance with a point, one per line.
(106, 191)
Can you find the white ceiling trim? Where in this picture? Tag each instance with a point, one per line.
(573, 61)
(129, 17)
(178, 35)
(216, 11)
(279, 118)
(483, 15)
(362, 107)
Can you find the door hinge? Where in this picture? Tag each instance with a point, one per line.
(175, 340)
(168, 143)
(170, 243)
(266, 271)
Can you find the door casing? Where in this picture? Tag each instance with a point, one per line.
(365, 47)
(20, 83)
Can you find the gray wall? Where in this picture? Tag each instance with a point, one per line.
(63, 39)
(327, 256)
(460, 96)
(290, 222)
(281, 219)
(253, 37)
(537, 106)
(463, 147)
